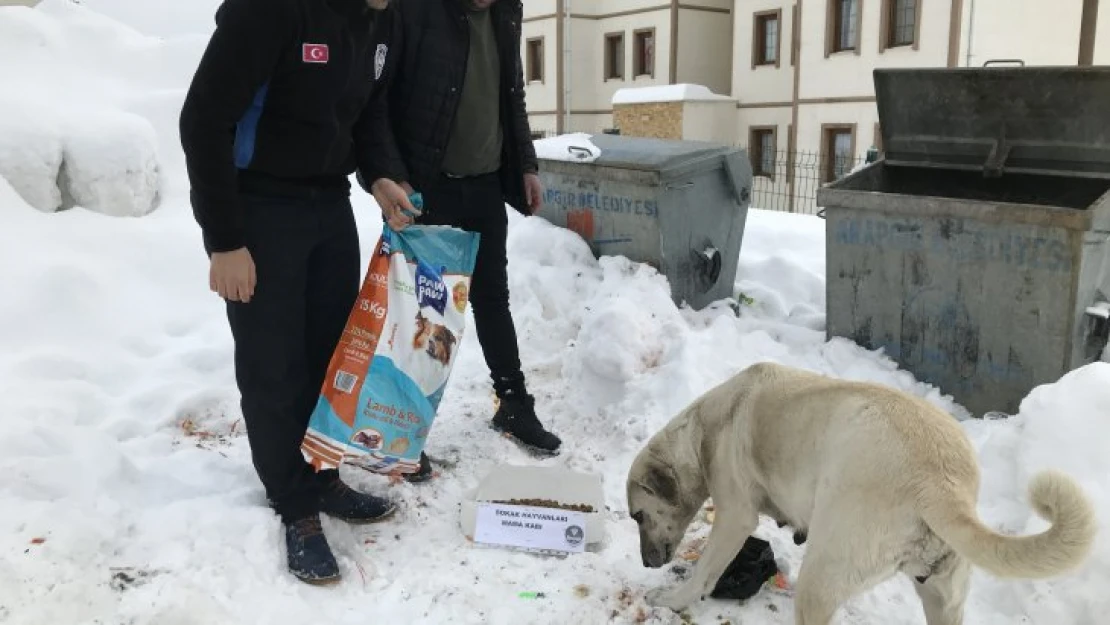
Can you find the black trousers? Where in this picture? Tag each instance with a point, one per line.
(306, 254)
(475, 204)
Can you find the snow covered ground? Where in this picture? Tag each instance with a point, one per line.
(127, 495)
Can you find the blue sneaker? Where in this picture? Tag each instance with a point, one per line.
(343, 502)
(309, 555)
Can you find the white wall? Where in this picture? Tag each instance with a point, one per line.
(705, 55)
(542, 96)
(592, 123)
(710, 121)
(779, 117)
(811, 117)
(764, 83)
(1040, 32)
(590, 92)
(847, 74)
(604, 7)
(534, 8)
(1102, 36)
(543, 122)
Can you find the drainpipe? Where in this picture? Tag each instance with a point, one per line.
(1087, 27)
(970, 31)
(792, 138)
(566, 66)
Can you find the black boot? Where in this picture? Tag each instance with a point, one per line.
(423, 474)
(343, 502)
(309, 557)
(516, 418)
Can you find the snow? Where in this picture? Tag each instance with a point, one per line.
(682, 92)
(71, 129)
(575, 147)
(128, 493)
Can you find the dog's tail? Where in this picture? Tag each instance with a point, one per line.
(1056, 498)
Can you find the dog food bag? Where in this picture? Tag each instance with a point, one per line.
(390, 368)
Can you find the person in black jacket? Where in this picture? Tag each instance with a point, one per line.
(456, 129)
(273, 124)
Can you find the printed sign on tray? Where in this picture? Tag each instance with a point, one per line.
(532, 528)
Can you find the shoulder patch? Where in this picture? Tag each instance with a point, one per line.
(314, 53)
(379, 60)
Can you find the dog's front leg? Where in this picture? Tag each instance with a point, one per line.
(730, 529)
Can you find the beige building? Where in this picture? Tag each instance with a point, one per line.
(798, 72)
(578, 53)
(820, 81)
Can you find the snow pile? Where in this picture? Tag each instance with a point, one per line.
(131, 497)
(161, 19)
(575, 147)
(111, 165)
(789, 245)
(30, 150)
(682, 92)
(72, 130)
(1063, 426)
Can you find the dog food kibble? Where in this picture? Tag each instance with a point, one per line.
(548, 503)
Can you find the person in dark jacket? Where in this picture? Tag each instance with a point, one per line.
(273, 124)
(456, 129)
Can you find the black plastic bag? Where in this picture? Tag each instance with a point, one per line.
(748, 571)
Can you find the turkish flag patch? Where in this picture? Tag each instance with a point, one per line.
(314, 52)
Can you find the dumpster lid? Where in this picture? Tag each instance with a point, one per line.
(1043, 120)
(648, 154)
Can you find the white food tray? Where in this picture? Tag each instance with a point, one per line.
(507, 482)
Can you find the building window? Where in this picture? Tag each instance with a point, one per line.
(766, 38)
(534, 59)
(838, 149)
(763, 150)
(614, 56)
(843, 27)
(644, 62)
(900, 23)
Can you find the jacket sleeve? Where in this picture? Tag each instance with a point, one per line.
(234, 70)
(376, 153)
(522, 129)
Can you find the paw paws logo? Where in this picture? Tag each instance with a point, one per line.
(459, 293)
(430, 290)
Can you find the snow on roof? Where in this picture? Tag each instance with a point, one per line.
(682, 92)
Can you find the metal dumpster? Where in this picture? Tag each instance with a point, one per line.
(976, 252)
(679, 206)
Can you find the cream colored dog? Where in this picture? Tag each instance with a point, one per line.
(879, 481)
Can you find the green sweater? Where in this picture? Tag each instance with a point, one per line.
(474, 146)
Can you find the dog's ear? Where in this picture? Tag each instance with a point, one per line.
(661, 479)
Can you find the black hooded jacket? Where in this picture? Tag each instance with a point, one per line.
(280, 93)
(426, 44)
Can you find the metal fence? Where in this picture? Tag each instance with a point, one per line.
(779, 186)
